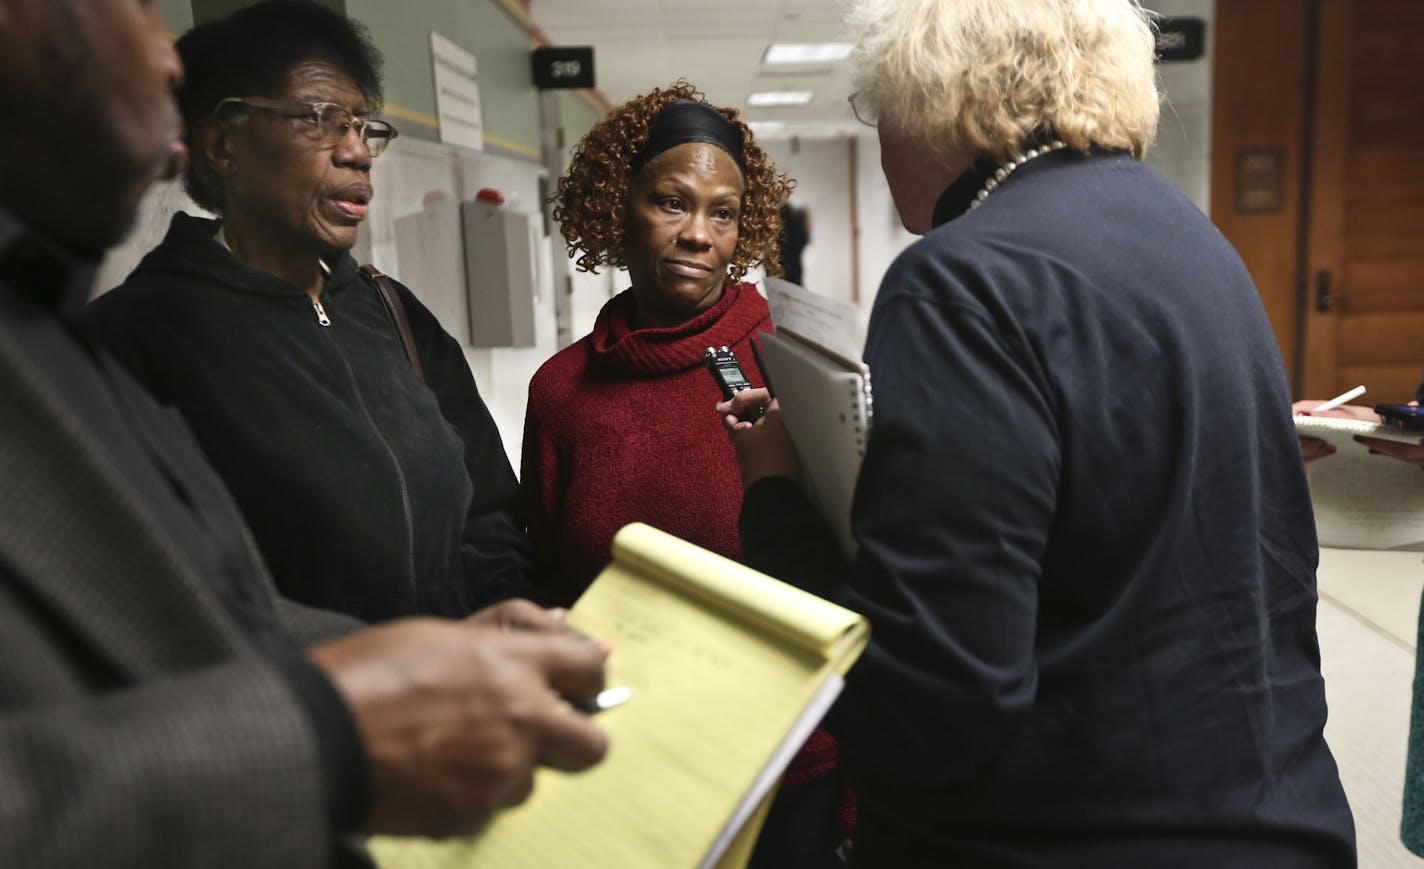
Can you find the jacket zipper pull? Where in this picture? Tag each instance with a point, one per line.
(321, 313)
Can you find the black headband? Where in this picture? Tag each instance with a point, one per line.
(683, 121)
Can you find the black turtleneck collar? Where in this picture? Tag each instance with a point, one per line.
(956, 198)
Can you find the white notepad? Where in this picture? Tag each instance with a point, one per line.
(827, 406)
(1363, 501)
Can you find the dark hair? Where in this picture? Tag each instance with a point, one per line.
(249, 52)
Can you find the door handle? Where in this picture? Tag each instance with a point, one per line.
(1325, 301)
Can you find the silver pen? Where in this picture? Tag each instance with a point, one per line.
(606, 699)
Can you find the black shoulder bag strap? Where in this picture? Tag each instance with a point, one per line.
(396, 311)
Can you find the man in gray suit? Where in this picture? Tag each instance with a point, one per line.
(155, 710)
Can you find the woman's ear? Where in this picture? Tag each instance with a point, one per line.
(213, 139)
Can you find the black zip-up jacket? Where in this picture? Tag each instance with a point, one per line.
(369, 491)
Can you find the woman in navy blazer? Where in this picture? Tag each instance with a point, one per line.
(1086, 543)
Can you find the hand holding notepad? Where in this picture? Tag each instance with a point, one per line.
(1363, 501)
(729, 672)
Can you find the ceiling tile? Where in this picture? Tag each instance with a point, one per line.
(715, 44)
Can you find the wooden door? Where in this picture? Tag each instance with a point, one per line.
(1364, 305)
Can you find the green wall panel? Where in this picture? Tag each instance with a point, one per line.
(508, 101)
(577, 115)
(401, 30)
(177, 14)
(204, 10)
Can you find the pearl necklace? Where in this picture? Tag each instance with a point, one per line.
(1007, 169)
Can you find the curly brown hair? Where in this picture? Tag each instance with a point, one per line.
(592, 199)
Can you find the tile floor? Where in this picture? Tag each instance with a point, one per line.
(1369, 604)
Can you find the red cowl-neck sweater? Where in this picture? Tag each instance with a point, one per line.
(620, 428)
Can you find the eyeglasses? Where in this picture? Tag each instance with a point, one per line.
(861, 109)
(331, 121)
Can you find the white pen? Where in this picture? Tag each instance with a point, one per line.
(607, 699)
(1339, 400)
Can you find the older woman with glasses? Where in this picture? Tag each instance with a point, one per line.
(373, 486)
(1086, 545)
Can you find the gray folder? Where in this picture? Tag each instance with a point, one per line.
(826, 403)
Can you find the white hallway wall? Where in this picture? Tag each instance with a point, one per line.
(821, 171)
(826, 170)
(1182, 150)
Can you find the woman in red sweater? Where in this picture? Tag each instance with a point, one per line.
(617, 429)
(679, 193)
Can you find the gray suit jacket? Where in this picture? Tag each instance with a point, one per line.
(138, 726)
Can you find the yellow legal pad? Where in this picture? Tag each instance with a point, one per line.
(730, 670)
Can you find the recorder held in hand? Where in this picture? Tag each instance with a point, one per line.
(727, 371)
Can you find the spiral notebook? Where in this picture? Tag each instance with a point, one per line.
(1363, 501)
(825, 400)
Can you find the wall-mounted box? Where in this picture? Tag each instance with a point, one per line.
(1260, 179)
(499, 275)
(431, 256)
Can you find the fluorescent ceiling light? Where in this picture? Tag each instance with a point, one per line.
(779, 98)
(806, 52)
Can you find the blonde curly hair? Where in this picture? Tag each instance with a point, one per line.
(592, 199)
(966, 78)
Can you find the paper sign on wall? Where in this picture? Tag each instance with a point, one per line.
(457, 93)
